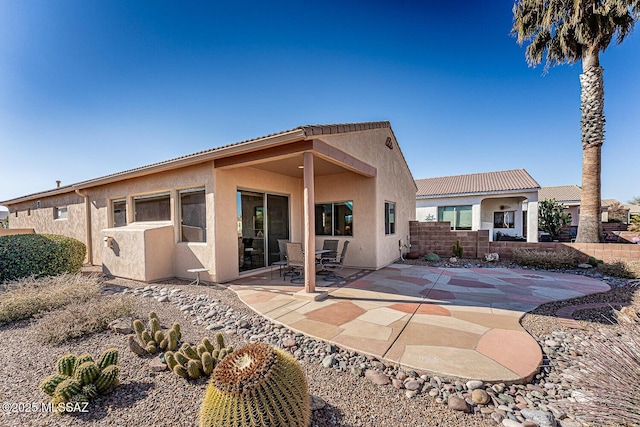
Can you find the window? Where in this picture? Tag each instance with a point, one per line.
(458, 216)
(504, 219)
(119, 213)
(334, 219)
(152, 207)
(60, 212)
(193, 215)
(389, 218)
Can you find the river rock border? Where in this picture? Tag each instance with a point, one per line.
(533, 404)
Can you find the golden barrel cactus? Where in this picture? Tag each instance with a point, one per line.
(257, 385)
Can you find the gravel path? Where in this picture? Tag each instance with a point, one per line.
(146, 398)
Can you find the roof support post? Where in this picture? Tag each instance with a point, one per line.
(309, 225)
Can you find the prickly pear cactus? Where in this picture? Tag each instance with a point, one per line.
(80, 379)
(258, 385)
(154, 339)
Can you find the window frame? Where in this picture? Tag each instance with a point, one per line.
(389, 219)
(510, 225)
(186, 191)
(158, 195)
(333, 219)
(57, 213)
(112, 221)
(454, 225)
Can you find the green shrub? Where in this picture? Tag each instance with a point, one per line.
(24, 298)
(548, 260)
(38, 255)
(432, 257)
(624, 269)
(80, 319)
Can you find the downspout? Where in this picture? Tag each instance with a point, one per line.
(87, 221)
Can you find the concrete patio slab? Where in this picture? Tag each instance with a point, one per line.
(455, 322)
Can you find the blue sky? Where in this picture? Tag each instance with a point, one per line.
(89, 88)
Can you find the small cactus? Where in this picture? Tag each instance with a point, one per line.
(220, 341)
(67, 389)
(86, 357)
(107, 358)
(189, 359)
(193, 369)
(181, 371)
(86, 380)
(66, 364)
(107, 379)
(87, 373)
(208, 345)
(152, 340)
(457, 249)
(49, 384)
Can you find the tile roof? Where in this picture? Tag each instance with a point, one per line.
(487, 182)
(301, 132)
(562, 193)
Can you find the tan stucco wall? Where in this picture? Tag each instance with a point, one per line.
(393, 183)
(187, 255)
(139, 251)
(14, 231)
(41, 219)
(227, 183)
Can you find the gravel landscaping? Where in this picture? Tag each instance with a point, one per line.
(344, 382)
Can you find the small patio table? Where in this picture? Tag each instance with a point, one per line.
(197, 271)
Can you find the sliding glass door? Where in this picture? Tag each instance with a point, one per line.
(262, 220)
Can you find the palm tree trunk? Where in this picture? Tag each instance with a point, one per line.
(592, 126)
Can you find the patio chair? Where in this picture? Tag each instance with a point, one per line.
(332, 246)
(295, 261)
(335, 264)
(282, 262)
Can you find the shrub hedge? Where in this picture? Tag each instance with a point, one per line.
(546, 260)
(38, 255)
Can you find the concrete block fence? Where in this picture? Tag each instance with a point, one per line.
(437, 237)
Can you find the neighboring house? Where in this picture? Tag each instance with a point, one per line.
(482, 201)
(568, 195)
(224, 209)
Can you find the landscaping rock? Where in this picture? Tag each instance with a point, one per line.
(480, 397)
(543, 419)
(156, 365)
(317, 403)
(377, 377)
(458, 404)
(121, 325)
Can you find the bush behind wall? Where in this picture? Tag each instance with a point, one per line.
(25, 255)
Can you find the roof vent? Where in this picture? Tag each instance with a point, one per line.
(58, 182)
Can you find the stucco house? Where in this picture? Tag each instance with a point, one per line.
(224, 209)
(568, 195)
(482, 201)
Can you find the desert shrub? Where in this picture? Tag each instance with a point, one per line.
(80, 319)
(624, 269)
(432, 257)
(25, 255)
(27, 297)
(548, 260)
(608, 379)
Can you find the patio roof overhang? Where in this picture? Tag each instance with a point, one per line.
(288, 160)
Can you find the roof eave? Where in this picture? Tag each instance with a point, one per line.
(256, 144)
(483, 193)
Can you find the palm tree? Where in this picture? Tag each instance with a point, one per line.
(568, 31)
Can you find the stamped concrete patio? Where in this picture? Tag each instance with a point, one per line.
(454, 322)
